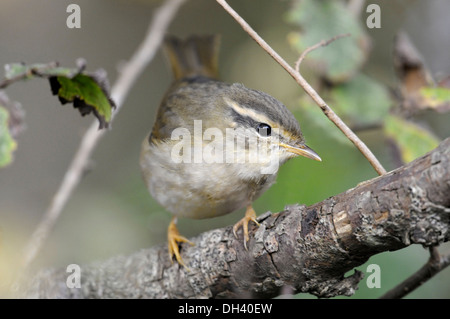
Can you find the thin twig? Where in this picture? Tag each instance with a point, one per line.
(129, 74)
(26, 74)
(434, 265)
(307, 87)
(322, 43)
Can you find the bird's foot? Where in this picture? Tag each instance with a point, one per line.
(174, 237)
(250, 215)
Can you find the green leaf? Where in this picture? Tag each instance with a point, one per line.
(86, 95)
(436, 96)
(7, 143)
(361, 101)
(11, 125)
(322, 20)
(89, 92)
(412, 140)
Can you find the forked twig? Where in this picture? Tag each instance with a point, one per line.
(322, 43)
(308, 88)
(129, 74)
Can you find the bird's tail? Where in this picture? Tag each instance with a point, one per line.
(195, 56)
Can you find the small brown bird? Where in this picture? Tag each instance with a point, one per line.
(215, 147)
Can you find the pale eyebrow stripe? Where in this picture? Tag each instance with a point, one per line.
(254, 115)
(249, 112)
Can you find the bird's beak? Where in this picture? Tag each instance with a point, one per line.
(302, 150)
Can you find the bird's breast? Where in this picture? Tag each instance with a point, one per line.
(200, 190)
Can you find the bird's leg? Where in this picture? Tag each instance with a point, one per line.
(250, 215)
(174, 237)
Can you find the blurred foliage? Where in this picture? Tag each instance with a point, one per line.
(7, 143)
(316, 20)
(361, 101)
(436, 96)
(11, 125)
(417, 91)
(412, 140)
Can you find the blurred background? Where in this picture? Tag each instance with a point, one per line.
(111, 211)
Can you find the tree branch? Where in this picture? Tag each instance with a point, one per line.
(305, 249)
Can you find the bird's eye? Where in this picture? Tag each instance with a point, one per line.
(264, 129)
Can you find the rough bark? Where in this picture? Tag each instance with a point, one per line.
(308, 249)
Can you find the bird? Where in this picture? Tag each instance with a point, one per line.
(215, 147)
